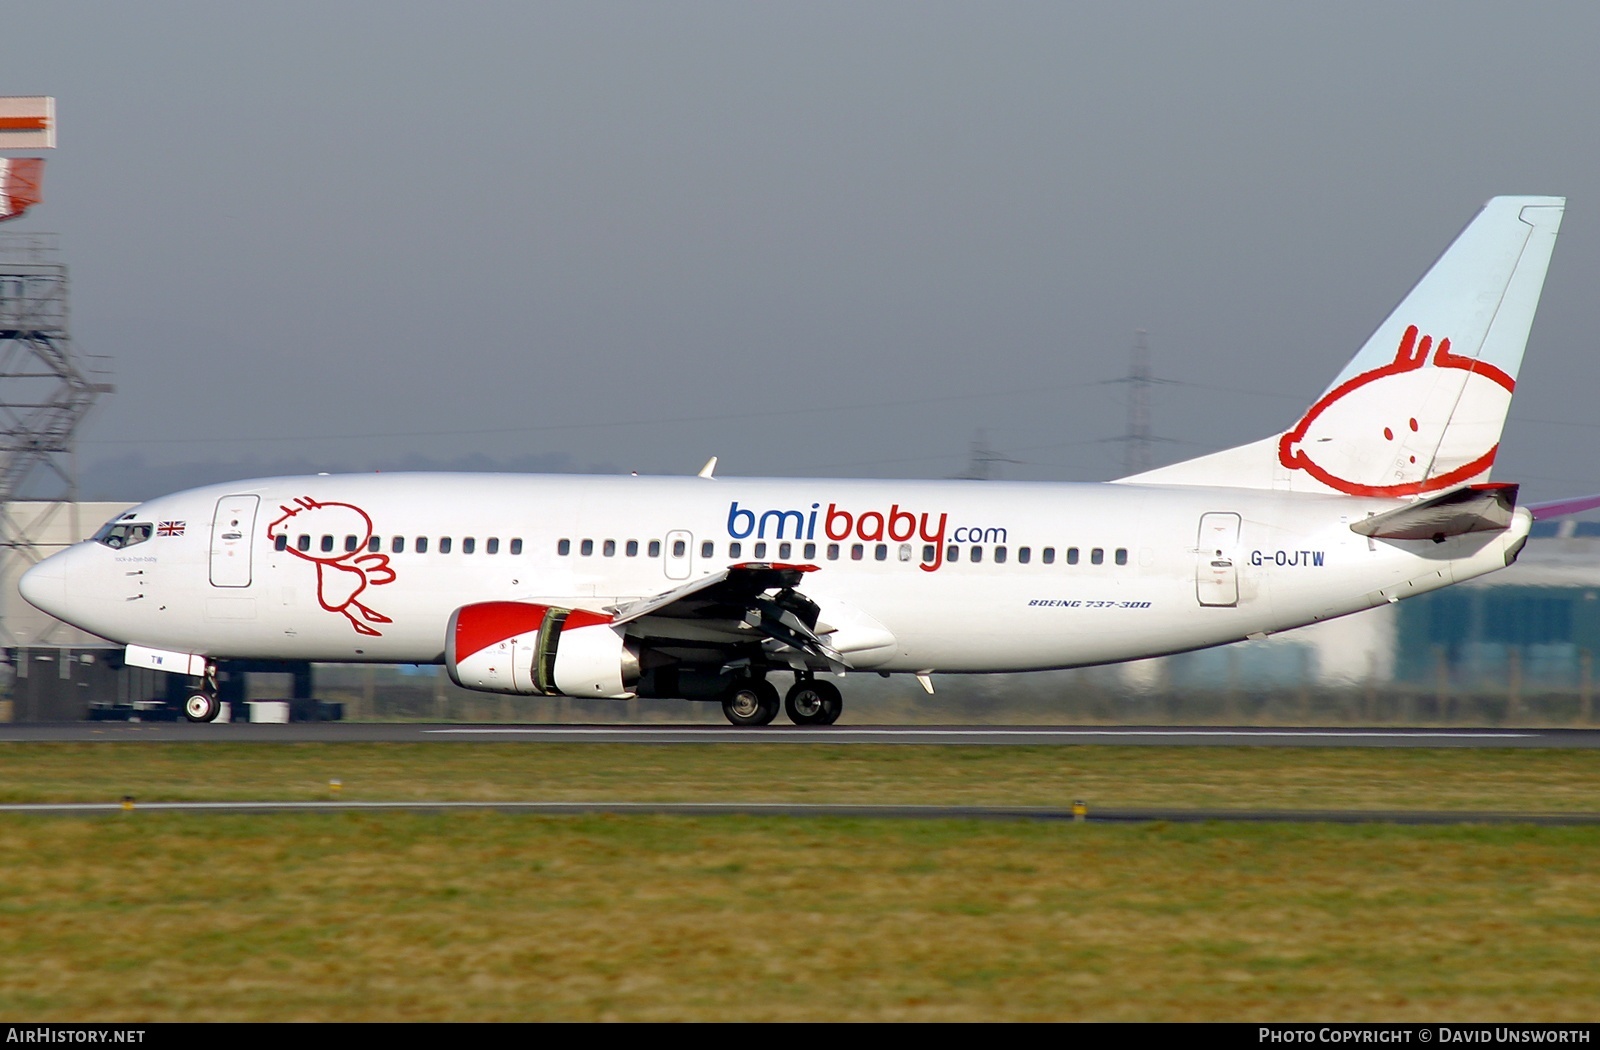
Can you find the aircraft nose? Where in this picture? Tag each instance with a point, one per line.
(45, 586)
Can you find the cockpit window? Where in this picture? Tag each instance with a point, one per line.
(120, 534)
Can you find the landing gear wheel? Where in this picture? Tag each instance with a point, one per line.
(813, 703)
(749, 702)
(201, 707)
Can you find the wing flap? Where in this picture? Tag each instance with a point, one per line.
(734, 585)
(756, 597)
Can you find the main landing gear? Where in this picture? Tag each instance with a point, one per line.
(813, 703)
(809, 702)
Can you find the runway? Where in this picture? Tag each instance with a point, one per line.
(856, 812)
(1003, 736)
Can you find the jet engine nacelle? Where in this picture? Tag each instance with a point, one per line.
(530, 649)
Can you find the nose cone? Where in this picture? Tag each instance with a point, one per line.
(45, 586)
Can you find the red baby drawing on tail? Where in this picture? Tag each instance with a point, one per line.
(1439, 421)
(341, 575)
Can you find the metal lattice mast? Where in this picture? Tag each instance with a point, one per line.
(983, 462)
(45, 391)
(1136, 451)
(1137, 442)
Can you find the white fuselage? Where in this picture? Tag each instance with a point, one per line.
(912, 576)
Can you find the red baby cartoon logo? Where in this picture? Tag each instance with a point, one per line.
(342, 576)
(1439, 422)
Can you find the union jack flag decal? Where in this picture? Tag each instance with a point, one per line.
(170, 528)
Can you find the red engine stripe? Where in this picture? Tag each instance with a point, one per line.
(489, 623)
(584, 618)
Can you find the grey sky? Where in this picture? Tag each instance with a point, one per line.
(809, 238)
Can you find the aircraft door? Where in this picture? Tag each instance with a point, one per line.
(678, 557)
(232, 528)
(1216, 576)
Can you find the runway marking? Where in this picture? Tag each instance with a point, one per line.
(901, 734)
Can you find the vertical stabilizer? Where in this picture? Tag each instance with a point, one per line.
(1420, 408)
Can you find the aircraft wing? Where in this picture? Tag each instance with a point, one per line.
(745, 602)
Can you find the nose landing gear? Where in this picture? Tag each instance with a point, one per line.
(202, 705)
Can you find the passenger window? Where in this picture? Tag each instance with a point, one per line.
(468, 545)
(679, 548)
(632, 550)
(1024, 555)
(609, 549)
(810, 551)
(327, 544)
(952, 553)
(281, 543)
(563, 547)
(351, 543)
(491, 545)
(1097, 556)
(516, 546)
(1072, 555)
(881, 552)
(303, 543)
(784, 551)
(707, 549)
(655, 548)
(396, 546)
(856, 551)
(929, 552)
(1048, 556)
(735, 549)
(833, 552)
(977, 554)
(444, 544)
(905, 552)
(1122, 555)
(1000, 555)
(586, 547)
(761, 551)
(374, 544)
(421, 546)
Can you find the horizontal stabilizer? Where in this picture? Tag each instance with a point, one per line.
(1474, 508)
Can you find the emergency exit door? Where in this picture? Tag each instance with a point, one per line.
(678, 557)
(1216, 576)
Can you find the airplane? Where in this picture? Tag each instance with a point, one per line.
(706, 588)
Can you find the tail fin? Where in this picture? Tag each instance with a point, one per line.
(1420, 408)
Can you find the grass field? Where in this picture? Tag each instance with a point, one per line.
(1520, 780)
(146, 916)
